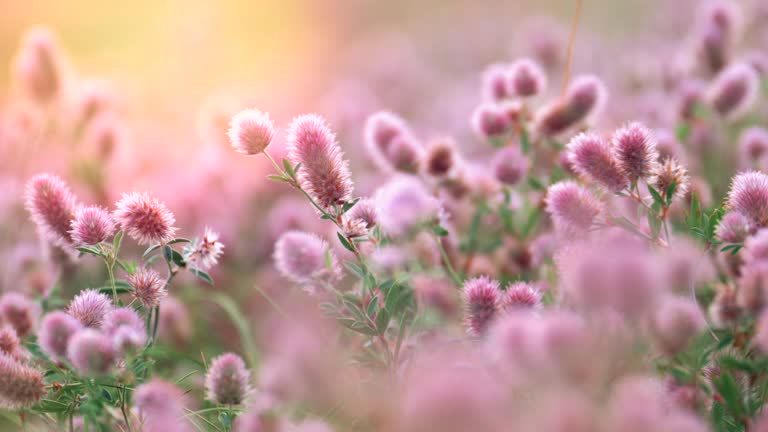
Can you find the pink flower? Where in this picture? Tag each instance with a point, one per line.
(52, 206)
(734, 91)
(521, 295)
(510, 165)
(126, 328)
(301, 257)
(37, 65)
(19, 311)
(670, 172)
(324, 173)
(91, 352)
(364, 210)
(753, 145)
(733, 228)
(526, 78)
(495, 87)
(204, 253)
(391, 144)
(442, 160)
(676, 323)
(56, 329)
(145, 219)
(20, 386)
(572, 207)
(162, 407)
(634, 147)
(251, 131)
(749, 196)
(148, 287)
(404, 205)
(227, 381)
(584, 100)
(491, 120)
(92, 225)
(11, 345)
(89, 307)
(482, 300)
(592, 158)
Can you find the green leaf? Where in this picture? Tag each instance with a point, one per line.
(440, 231)
(288, 167)
(382, 321)
(671, 193)
(168, 254)
(345, 243)
(178, 258)
(731, 393)
(278, 178)
(241, 324)
(117, 241)
(179, 240)
(92, 250)
(657, 199)
(373, 307)
(150, 250)
(202, 275)
(354, 268)
(536, 184)
(348, 205)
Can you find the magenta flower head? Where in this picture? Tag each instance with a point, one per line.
(510, 165)
(92, 225)
(634, 147)
(251, 131)
(126, 328)
(733, 228)
(148, 287)
(91, 352)
(56, 329)
(52, 207)
(521, 295)
(228, 380)
(749, 196)
(301, 257)
(391, 144)
(526, 78)
(593, 159)
(442, 160)
(324, 174)
(495, 87)
(572, 207)
(19, 311)
(20, 385)
(676, 322)
(491, 120)
(670, 172)
(204, 253)
(734, 91)
(584, 100)
(365, 211)
(404, 205)
(37, 65)
(144, 218)
(482, 301)
(720, 26)
(753, 145)
(89, 307)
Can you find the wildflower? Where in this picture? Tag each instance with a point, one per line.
(734, 91)
(753, 145)
(583, 101)
(526, 78)
(495, 87)
(719, 28)
(733, 228)
(148, 287)
(126, 328)
(301, 257)
(92, 225)
(676, 322)
(52, 206)
(162, 406)
(324, 173)
(434, 292)
(482, 300)
(572, 207)
(749, 196)
(364, 210)
(20, 386)
(56, 329)
(19, 311)
(491, 120)
(442, 160)
(11, 345)
(403, 205)
(175, 325)
(89, 307)
(391, 144)
(251, 131)
(91, 352)
(670, 172)
(37, 65)
(227, 380)
(634, 147)
(510, 165)
(145, 219)
(592, 158)
(521, 295)
(204, 253)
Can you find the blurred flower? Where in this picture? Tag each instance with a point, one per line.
(145, 219)
(21, 386)
(301, 257)
(491, 120)
(442, 160)
(251, 131)
(521, 295)
(227, 381)
(753, 145)
(495, 87)
(676, 323)
(175, 326)
(162, 407)
(510, 165)
(126, 328)
(37, 65)
(583, 101)
(526, 78)
(92, 225)
(733, 228)
(89, 307)
(734, 91)
(10, 344)
(56, 329)
(91, 352)
(204, 253)
(403, 204)
(391, 144)
(19, 311)
(52, 206)
(148, 287)
(592, 158)
(572, 207)
(482, 301)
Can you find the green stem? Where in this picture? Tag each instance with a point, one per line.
(447, 263)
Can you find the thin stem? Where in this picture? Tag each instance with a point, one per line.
(274, 164)
(111, 272)
(447, 263)
(571, 42)
(271, 302)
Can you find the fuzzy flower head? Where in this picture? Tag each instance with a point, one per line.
(749, 196)
(676, 322)
(126, 328)
(403, 205)
(324, 172)
(572, 207)
(521, 295)
(391, 144)
(145, 219)
(634, 147)
(20, 385)
(510, 165)
(19, 311)
(495, 87)
(228, 380)
(733, 228)
(251, 131)
(10, 344)
(592, 158)
(37, 65)
(584, 100)
(670, 172)
(491, 120)
(148, 287)
(526, 78)
(365, 210)
(89, 307)
(482, 301)
(204, 253)
(52, 206)
(91, 352)
(56, 329)
(753, 145)
(734, 91)
(92, 225)
(301, 257)
(442, 160)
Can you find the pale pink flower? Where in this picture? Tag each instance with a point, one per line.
(251, 131)
(526, 78)
(733, 228)
(161, 406)
(126, 328)
(749, 196)
(482, 302)
(404, 205)
(634, 147)
(56, 329)
(10, 344)
(204, 253)
(494, 86)
(753, 145)
(89, 307)
(92, 225)
(510, 165)
(442, 160)
(491, 120)
(52, 207)
(37, 65)
(734, 91)
(391, 144)
(91, 352)
(592, 158)
(228, 380)
(676, 323)
(301, 257)
(145, 219)
(148, 287)
(20, 385)
(584, 100)
(572, 207)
